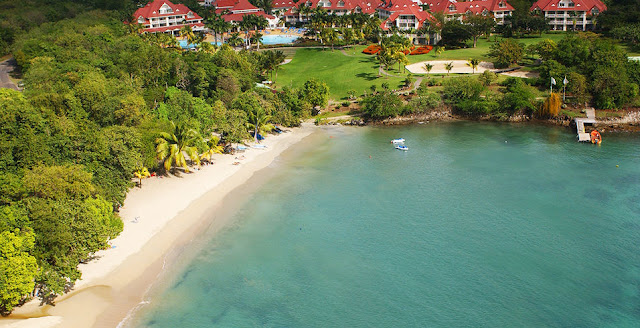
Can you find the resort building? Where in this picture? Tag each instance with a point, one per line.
(453, 9)
(405, 15)
(293, 14)
(165, 17)
(233, 10)
(565, 15)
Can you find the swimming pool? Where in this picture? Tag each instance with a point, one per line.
(279, 39)
(266, 39)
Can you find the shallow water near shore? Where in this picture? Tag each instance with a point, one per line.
(477, 225)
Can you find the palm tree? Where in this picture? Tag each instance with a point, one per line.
(258, 121)
(330, 35)
(134, 28)
(448, 67)
(473, 63)
(207, 47)
(439, 50)
(141, 173)
(428, 67)
(400, 58)
(187, 33)
(257, 39)
(234, 39)
(273, 60)
(171, 147)
(213, 147)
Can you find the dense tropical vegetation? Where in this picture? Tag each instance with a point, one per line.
(102, 106)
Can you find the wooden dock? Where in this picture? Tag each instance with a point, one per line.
(583, 136)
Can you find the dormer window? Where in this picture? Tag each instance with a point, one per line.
(595, 11)
(502, 4)
(327, 4)
(485, 12)
(165, 9)
(340, 3)
(452, 8)
(140, 19)
(190, 15)
(571, 4)
(469, 13)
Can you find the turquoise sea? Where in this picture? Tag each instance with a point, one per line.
(477, 225)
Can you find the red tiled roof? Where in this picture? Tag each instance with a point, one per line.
(279, 4)
(474, 6)
(580, 5)
(243, 5)
(152, 9)
(225, 3)
(404, 7)
(238, 17)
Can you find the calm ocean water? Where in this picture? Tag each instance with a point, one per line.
(477, 225)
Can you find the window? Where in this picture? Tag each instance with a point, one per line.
(165, 9)
(190, 15)
(502, 4)
(595, 11)
(452, 8)
(140, 19)
(341, 3)
(571, 4)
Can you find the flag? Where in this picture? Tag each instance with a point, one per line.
(565, 81)
(553, 81)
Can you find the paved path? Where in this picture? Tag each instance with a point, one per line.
(383, 72)
(6, 67)
(345, 53)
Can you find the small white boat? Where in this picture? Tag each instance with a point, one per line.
(397, 141)
(402, 147)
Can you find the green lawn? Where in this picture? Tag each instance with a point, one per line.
(341, 73)
(481, 50)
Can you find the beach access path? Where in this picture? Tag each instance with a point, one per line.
(164, 213)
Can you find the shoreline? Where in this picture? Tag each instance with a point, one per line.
(172, 211)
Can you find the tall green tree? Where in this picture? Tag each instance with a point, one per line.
(173, 147)
(18, 268)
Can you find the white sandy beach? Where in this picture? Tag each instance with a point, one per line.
(169, 211)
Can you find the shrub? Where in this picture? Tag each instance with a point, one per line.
(422, 50)
(372, 49)
(345, 104)
(459, 89)
(487, 78)
(551, 106)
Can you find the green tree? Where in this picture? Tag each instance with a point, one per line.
(18, 268)
(382, 105)
(519, 97)
(258, 121)
(473, 63)
(506, 52)
(455, 34)
(479, 25)
(213, 147)
(428, 67)
(448, 67)
(315, 93)
(487, 78)
(545, 49)
(172, 146)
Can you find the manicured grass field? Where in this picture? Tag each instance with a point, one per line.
(358, 71)
(481, 50)
(341, 73)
